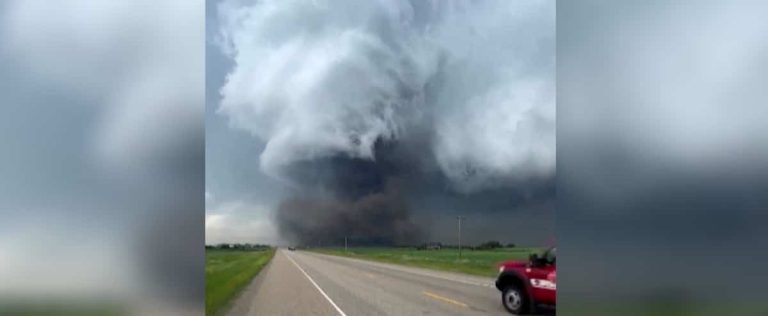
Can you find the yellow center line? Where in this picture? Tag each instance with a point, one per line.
(444, 299)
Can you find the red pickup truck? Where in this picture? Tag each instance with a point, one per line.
(525, 285)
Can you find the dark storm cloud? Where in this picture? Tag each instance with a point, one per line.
(374, 219)
(371, 107)
(350, 197)
(397, 198)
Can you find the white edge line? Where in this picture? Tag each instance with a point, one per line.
(316, 286)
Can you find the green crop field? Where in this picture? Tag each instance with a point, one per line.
(227, 272)
(477, 262)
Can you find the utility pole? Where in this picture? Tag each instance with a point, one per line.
(460, 218)
(345, 244)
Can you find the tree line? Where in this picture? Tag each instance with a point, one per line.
(245, 246)
(491, 244)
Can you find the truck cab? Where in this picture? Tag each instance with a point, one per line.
(527, 284)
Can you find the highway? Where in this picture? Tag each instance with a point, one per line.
(306, 283)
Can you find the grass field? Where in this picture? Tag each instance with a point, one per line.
(477, 262)
(227, 272)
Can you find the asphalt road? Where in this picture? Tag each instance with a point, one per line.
(305, 283)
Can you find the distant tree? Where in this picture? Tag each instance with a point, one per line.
(510, 245)
(489, 245)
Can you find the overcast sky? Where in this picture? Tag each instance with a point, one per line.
(239, 197)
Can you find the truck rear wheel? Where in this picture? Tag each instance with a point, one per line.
(515, 300)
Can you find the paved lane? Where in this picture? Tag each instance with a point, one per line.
(281, 289)
(305, 283)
